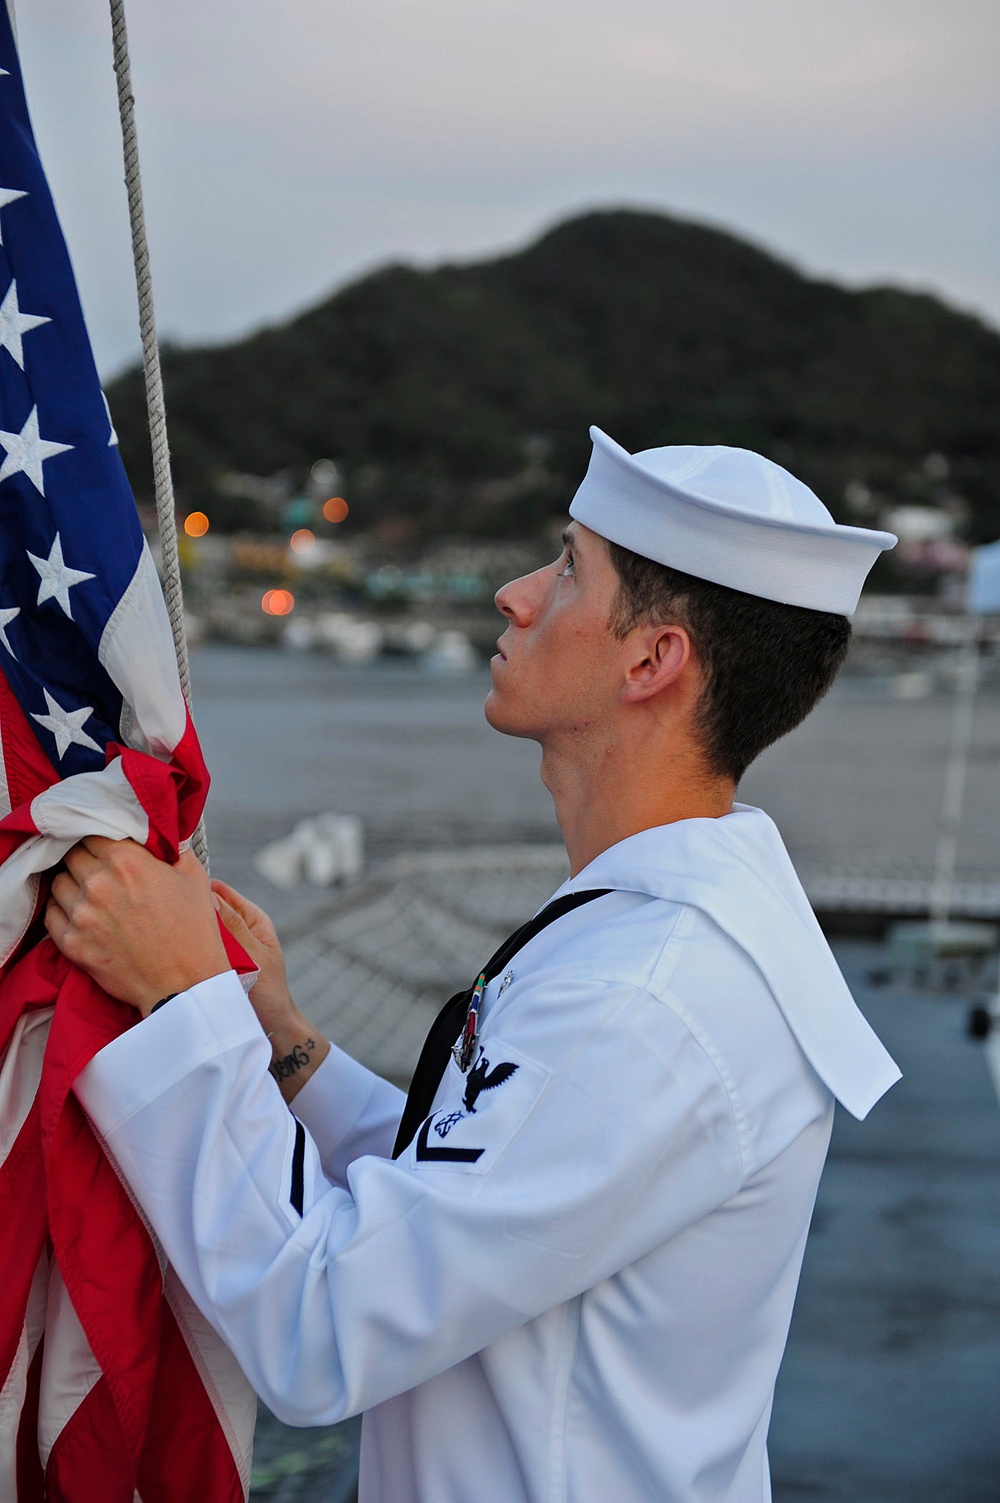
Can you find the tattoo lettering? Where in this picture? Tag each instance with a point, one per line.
(297, 1060)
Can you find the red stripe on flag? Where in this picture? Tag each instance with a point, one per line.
(89, 1462)
(173, 795)
(30, 1479)
(22, 1232)
(112, 1272)
(191, 797)
(205, 1466)
(27, 768)
(104, 1253)
(23, 1213)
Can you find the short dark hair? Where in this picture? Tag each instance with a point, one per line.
(765, 664)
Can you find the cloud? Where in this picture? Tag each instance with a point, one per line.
(874, 61)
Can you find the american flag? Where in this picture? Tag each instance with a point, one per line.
(112, 1386)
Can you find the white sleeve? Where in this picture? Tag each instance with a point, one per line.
(531, 1181)
(349, 1112)
(348, 1109)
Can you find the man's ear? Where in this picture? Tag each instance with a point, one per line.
(660, 655)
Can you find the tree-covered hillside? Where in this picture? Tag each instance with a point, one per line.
(459, 398)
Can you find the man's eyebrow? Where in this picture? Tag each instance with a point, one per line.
(569, 537)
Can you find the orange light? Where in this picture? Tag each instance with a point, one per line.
(302, 541)
(336, 509)
(277, 602)
(196, 524)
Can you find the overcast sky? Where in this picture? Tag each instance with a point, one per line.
(288, 146)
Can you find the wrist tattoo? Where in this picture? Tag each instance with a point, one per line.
(291, 1063)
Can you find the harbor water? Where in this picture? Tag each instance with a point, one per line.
(856, 789)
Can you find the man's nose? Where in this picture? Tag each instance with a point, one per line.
(518, 599)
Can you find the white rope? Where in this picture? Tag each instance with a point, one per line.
(163, 485)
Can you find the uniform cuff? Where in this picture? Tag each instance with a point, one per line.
(199, 1025)
(333, 1099)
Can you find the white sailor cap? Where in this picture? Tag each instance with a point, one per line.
(730, 516)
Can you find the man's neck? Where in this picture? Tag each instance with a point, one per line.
(606, 797)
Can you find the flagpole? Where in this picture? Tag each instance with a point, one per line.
(949, 825)
(163, 485)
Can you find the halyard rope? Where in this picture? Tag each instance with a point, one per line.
(163, 485)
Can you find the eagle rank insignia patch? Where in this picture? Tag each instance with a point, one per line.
(482, 1078)
(481, 1110)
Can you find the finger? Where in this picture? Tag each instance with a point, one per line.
(101, 846)
(234, 899)
(56, 922)
(233, 921)
(81, 862)
(65, 891)
(256, 920)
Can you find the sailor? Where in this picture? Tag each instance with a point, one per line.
(574, 1278)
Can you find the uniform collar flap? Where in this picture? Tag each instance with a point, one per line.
(736, 870)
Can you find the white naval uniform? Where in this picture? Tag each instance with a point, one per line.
(575, 1284)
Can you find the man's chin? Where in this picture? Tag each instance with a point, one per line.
(493, 711)
(500, 718)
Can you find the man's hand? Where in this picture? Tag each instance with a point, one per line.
(297, 1046)
(251, 928)
(143, 929)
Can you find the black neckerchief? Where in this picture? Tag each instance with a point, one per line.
(448, 1024)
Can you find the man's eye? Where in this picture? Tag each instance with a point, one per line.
(569, 567)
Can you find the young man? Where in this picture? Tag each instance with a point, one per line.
(575, 1280)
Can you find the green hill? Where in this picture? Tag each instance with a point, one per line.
(458, 399)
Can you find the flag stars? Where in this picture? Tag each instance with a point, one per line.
(66, 725)
(7, 615)
(14, 324)
(8, 196)
(57, 578)
(27, 451)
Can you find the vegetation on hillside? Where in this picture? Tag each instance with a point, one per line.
(457, 400)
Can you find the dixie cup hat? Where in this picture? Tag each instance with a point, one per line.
(730, 516)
